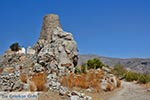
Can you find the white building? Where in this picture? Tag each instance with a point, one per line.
(30, 51)
(22, 51)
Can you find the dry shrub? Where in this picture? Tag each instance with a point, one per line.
(64, 81)
(91, 79)
(1, 70)
(33, 87)
(147, 85)
(109, 87)
(38, 82)
(23, 78)
(118, 83)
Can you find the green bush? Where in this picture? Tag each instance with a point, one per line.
(94, 64)
(143, 78)
(140, 78)
(131, 76)
(15, 47)
(119, 70)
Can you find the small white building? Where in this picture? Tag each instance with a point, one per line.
(30, 51)
(22, 51)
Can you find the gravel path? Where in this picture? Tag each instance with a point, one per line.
(131, 91)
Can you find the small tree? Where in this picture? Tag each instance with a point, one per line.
(15, 47)
(94, 64)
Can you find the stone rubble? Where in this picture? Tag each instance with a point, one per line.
(10, 82)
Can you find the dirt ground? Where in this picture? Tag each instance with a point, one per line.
(128, 91)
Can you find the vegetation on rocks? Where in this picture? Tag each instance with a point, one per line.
(85, 81)
(94, 64)
(15, 47)
(120, 71)
(90, 64)
(92, 74)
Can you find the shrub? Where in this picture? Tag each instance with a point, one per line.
(84, 80)
(39, 80)
(84, 68)
(23, 78)
(77, 70)
(131, 76)
(15, 47)
(118, 83)
(81, 69)
(1, 70)
(143, 78)
(140, 78)
(94, 64)
(109, 87)
(119, 70)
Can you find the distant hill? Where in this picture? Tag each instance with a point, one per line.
(135, 64)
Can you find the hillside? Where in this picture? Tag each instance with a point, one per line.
(135, 64)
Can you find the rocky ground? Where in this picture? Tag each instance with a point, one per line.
(130, 91)
(50, 96)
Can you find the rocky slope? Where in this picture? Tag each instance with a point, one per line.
(49, 64)
(134, 64)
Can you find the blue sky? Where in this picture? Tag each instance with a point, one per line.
(114, 28)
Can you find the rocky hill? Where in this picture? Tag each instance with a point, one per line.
(134, 64)
(50, 66)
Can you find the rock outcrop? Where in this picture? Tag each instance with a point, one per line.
(56, 49)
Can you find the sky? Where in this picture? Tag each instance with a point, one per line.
(113, 28)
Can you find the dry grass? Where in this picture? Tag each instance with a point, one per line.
(118, 83)
(91, 79)
(33, 86)
(110, 87)
(147, 85)
(1, 70)
(23, 78)
(38, 82)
